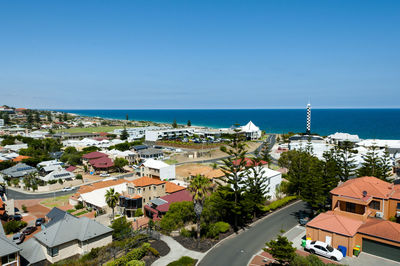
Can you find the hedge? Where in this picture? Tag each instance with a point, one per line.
(136, 263)
(217, 228)
(135, 254)
(14, 226)
(279, 203)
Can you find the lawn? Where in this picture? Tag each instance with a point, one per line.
(170, 161)
(56, 202)
(90, 129)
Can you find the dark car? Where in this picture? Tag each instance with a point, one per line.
(15, 217)
(18, 238)
(29, 230)
(303, 218)
(40, 221)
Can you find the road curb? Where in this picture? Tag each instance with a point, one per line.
(243, 230)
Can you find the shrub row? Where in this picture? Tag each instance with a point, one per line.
(14, 226)
(134, 254)
(279, 203)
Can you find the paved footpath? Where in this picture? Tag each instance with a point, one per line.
(177, 251)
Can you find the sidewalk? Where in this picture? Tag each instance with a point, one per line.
(177, 251)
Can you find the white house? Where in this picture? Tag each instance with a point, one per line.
(59, 173)
(340, 137)
(96, 199)
(156, 168)
(274, 179)
(251, 131)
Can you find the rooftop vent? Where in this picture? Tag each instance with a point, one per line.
(364, 193)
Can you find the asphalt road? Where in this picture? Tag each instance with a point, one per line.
(237, 251)
(12, 194)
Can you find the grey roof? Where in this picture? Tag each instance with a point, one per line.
(7, 246)
(32, 251)
(71, 228)
(150, 151)
(56, 155)
(56, 215)
(19, 170)
(158, 201)
(140, 147)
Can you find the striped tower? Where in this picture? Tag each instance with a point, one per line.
(308, 131)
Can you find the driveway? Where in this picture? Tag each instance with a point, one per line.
(239, 249)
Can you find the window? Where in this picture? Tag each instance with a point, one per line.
(350, 207)
(376, 205)
(144, 189)
(398, 206)
(52, 251)
(154, 188)
(8, 258)
(149, 198)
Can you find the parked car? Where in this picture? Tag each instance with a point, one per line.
(29, 230)
(15, 217)
(303, 218)
(18, 238)
(323, 249)
(40, 221)
(104, 175)
(67, 189)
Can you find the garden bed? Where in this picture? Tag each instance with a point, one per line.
(161, 247)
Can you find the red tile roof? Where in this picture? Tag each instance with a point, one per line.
(382, 229)
(373, 186)
(20, 158)
(103, 162)
(71, 168)
(331, 222)
(396, 193)
(249, 162)
(146, 181)
(172, 187)
(183, 195)
(94, 155)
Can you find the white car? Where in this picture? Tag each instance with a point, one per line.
(104, 175)
(67, 189)
(323, 249)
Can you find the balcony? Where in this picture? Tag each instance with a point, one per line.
(354, 215)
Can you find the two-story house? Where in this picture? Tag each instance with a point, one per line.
(361, 209)
(9, 252)
(157, 169)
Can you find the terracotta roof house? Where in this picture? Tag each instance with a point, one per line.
(93, 155)
(159, 206)
(97, 161)
(360, 212)
(172, 188)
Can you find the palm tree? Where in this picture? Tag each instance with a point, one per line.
(199, 187)
(112, 199)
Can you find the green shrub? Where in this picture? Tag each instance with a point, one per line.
(138, 212)
(215, 229)
(154, 251)
(183, 261)
(79, 176)
(24, 208)
(187, 233)
(71, 210)
(278, 203)
(134, 254)
(14, 226)
(122, 227)
(178, 214)
(135, 263)
(79, 206)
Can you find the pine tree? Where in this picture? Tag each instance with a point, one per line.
(127, 117)
(49, 117)
(281, 249)
(374, 165)
(124, 134)
(174, 124)
(65, 117)
(37, 117)
(233, 170)
(189, 124)
(29, 119)
(6, 118)
(344, 155)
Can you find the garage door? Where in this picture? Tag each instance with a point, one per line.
(381, 249)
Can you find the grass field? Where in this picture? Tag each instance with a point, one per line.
(56, 202)
(90, 129)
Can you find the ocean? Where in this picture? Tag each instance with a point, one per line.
(367, 123)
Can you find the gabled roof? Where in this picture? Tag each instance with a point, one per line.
(331, 222)
(382, 229)
(103, 162)
(6, 245)
(94, 155)
(147, 181)
(172, 187)
(71, 168)
(71, 228)
(183, 195)
(374, 187)
(156, 164)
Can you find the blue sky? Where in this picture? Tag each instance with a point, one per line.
(199, 54)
